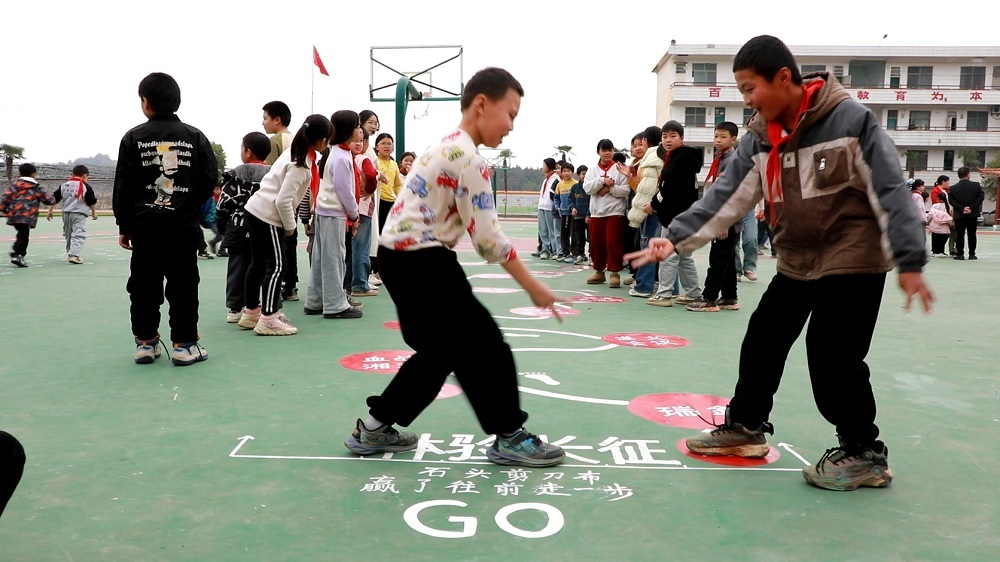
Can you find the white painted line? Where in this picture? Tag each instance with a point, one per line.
(573, 398)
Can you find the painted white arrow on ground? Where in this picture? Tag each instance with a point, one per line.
(789, 448)
(243, 441)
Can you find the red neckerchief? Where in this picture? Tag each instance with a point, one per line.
(713, 172)
(545, 182)
(604, 168)
(82, 189)
(774, 136)
(314, 177)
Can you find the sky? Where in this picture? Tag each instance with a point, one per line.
(70, 88)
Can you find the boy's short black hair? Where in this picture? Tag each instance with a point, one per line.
(493, 83)
(161, 92)
(258, 144)
(765, 55)
(618, 157)
(605, 144)
(672, 126)
(583, 168)
(729, 127)
(80, 170)
(564, 164)
(280, 110)
(25, 170)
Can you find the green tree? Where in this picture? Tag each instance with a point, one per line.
(989, 182)
(563, 150)
(970, 158)
(220, 157)
(11, 153)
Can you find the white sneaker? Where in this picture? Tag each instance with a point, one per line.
(374, 280)
(248, 319)
(188, 353)
(147, 351)
(234, 316)
(276, 324)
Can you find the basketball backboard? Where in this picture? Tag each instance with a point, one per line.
(435, 71)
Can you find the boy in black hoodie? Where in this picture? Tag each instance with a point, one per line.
(678, 191)
(166, 170)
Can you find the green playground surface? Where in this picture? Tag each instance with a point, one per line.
(242, 458)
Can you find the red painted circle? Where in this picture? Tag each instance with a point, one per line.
(536, 312)
(679, 409)
(392, 324)
(772, 456)
(597, 298)
(378, 362)
(645, 339)
(495, 290)
(448, 391)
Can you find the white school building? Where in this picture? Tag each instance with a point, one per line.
(936, 103)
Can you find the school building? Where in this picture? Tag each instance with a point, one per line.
(940, 105)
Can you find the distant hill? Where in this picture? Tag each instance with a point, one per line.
(95, 160)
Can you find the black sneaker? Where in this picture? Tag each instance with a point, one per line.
(959, 257)
(843, 469)
(203, 255)
(222, 253)
(732, 439)
(349, 312)
(524, 449)
(18, 261)
(973, 257)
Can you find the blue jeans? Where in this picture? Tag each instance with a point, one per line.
(646, 274)
(360, 260)
(547, 231)
(749, 262)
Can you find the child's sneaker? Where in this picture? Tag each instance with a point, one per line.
(688, 299)
(249, 318)
(18, 260)
(276, 324)
(292, 295)
(543, 256)
(74, 260)
(704, 306)
(659, 300)
(844, 469)
(524, 449)
(188, 353)
(146, 351)
(580, 260)
(203, 255)
(732, 439)
(386, 439)
(222, 253)
(374, 279)
(633, 292)
(233, 316)
(729, 304)
(750, 275)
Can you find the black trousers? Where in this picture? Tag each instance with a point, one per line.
(383, 215)
(566, 234)
(939, 243)
(267, 265)
(579, 236)
(721, 275)
(11, 467)
(165, 253)
(460, 338)
(20, 247)
(291, 279)
(837, 341)
(965, 225)
(237, 266)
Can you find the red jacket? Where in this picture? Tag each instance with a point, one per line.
(21, 201)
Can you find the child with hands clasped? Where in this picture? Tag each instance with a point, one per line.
(608, 188)
(447, 194)
(829, 218)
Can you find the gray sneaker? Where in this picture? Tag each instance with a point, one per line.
(524, 449)
(188, 354)
(146, 351)
(732, 439)
(688, 299)
(844, 469)
(385, 439)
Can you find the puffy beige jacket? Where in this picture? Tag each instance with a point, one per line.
(649, 174)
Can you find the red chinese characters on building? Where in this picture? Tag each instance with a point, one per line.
(714, 92)
(938, 96)
(863, 94)
(900, 95)
(976, 96)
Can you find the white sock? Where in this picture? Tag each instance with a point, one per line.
(371, 424)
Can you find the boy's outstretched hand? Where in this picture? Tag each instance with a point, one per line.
(912, 283)
(658, 249)
(542, 297)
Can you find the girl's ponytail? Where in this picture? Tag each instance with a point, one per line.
(315, 128)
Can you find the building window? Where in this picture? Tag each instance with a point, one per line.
(694, 116)
(920, 120)
(810, 68)
(892, 119)
(949, 160)
(952, 121)
(704, 73)
(920, 77)
(893, 76)
(972, 78)
(720, 115)
(980, 159)
(977, 121)
(916, 159)
(747, 114)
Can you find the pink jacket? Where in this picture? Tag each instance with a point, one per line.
(938, 219)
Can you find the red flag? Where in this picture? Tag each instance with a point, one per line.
(319, 62)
